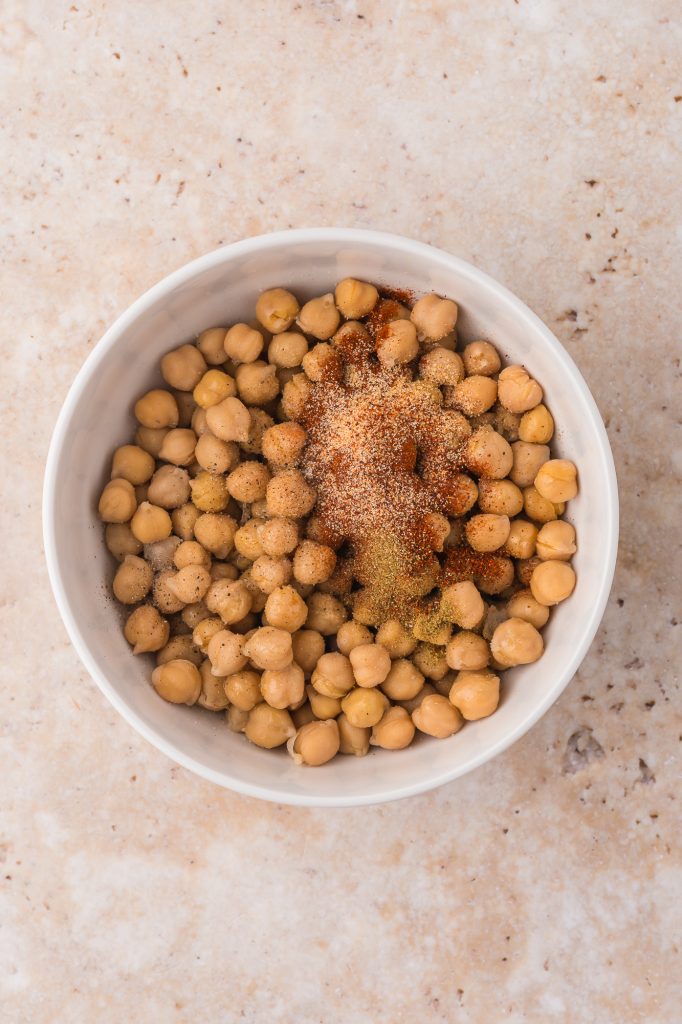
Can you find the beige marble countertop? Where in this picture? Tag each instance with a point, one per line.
(538, 139)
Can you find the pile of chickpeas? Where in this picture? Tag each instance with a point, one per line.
(232, 583)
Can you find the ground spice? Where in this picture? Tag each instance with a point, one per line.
(384, 456)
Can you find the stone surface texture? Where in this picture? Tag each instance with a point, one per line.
(539, 139)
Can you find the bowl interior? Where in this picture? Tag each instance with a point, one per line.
(222, 288)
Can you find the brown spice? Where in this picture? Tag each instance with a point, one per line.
(366, 430)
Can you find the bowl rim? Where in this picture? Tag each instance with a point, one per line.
(255, 245)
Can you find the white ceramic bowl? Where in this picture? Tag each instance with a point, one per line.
(220, 288)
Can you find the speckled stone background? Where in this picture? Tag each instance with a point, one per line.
(539, 139)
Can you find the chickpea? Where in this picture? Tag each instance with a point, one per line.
(156, 409)
(333, 675)
(352, 634)
(437, 717)
(521, 540)
(394, 731)
(243, 689)
(287, 350)
(283, 443)
(269, 727)
(190, 584)
(277, 537)
(229, 420)
(326, 614)
(537, 425)
(556, 480)
(499, 497)
(213, 388)
(212, 696)
(243, 344)
(475, 694)
(523, 605)
(475, 395)
(397, 343)
(269, 648)
(313, 562)
(315, 743)
(434, 317)
(169, 487)
(463, 605)
(178, 446)
(117, 502)
(351, 333)
(226, 654)
(145, 630)
(552, 582)
(404, 680)
(430, 660)
(488, 454)
(542, 510)
(308, 648)
(209, 492)
(517, 390)
(516, 642)
(216, 532)
(285, 609)
(270, 574)
(180, 647)
(150, 523)
(177, 681)
(210, 344)
(354, 739)
(289, 495)
(467, 650)
(355, 298)
(249, 481)
(364, 608)
(487, 532)
(295, 395)
(190, 552)
(371, 664)
(183, 367)
(150, 439)
(322, 706)
(230, 599)
(132, 463)
(556, 540)
(319, 317)
(204, 631)
(442, 366)
(282, 688)
(216, 456)
(121, 541)
(364, 707)
(321, 362)
(160, 554)
(481, 359)
(247, 541)
(257, 383)
(236, 719)
(395, 638)
(276, 310)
